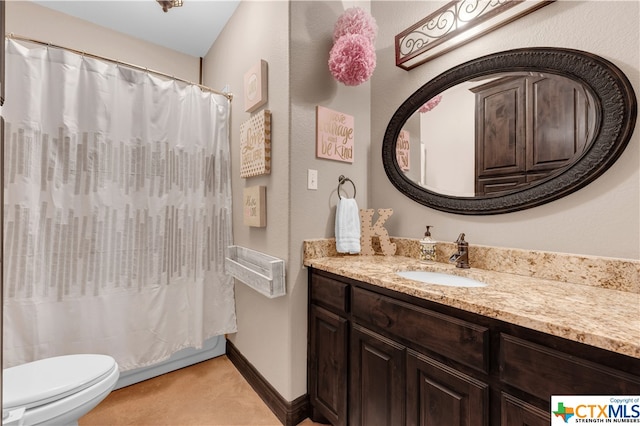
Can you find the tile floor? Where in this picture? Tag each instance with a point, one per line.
(211, 393)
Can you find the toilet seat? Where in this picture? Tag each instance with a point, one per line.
(58, 390)
(47, 380)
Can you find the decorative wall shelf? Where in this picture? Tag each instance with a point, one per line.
(261, 272)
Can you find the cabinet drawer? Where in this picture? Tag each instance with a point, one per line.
(458, 340)
(542, 372)
(499, 184)
(330, 293)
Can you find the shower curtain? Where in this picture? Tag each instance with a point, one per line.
(117, 211)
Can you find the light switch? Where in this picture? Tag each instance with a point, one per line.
(312, 179)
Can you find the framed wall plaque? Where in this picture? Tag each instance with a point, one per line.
(255, 86)
(255, 145)
(254, 206)
(334, 135)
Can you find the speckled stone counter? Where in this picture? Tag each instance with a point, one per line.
(608, 318)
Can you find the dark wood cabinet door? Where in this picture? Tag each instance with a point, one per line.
(377, 380)
(515, 412)
(500, 128)
(438, 395)
(559, 122)
(327, 364)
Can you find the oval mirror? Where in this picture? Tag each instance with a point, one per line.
(510, 131)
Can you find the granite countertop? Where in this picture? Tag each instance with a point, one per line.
(600, 317)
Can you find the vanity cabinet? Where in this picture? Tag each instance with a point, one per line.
(380, 357)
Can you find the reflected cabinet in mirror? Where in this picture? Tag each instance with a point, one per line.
(510, 131)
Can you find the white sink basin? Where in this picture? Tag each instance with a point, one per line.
(441, 279)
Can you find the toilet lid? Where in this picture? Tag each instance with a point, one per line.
(41, 382)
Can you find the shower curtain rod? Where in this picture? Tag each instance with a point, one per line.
(115, 61)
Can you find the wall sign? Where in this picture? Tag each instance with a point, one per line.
(403, 150)
(255, 86)
(254, 206)
(334, 135)
(255, 145)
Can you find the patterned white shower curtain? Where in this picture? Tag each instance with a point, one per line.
(117, 211)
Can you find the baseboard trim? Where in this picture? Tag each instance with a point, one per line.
(290, 413)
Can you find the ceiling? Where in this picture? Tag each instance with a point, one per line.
(189, 29)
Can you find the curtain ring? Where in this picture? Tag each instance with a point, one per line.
(342, 180)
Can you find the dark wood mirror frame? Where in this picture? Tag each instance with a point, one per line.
(616, 110)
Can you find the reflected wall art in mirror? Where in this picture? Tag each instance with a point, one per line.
(511, 130)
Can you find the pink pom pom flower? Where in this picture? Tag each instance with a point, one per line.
(430, 104)
(352, 59)
(355, 21)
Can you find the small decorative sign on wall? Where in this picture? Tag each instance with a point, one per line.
(254, 206)
(402, 150)
(255, 145)
(255, 86)
(334, 135)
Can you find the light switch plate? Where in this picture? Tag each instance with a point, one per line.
(312, 179)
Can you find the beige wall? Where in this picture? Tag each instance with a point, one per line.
(27, 19)
(601, 219)
(260, 30)
(313, 211)
(295, 39)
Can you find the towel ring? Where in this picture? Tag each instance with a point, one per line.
(342, 180)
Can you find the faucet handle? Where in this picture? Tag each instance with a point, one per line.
(461, 258)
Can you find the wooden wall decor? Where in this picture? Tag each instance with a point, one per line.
(255, 145)
(254, 206)
(368, 231)
(255, 86)
(334, 135)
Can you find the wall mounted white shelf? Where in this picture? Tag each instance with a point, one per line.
(261, 272)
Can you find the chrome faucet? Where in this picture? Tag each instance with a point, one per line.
(461, 258)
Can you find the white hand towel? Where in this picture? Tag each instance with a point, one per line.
(347, 226)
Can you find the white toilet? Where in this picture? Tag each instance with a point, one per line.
(56, 391)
